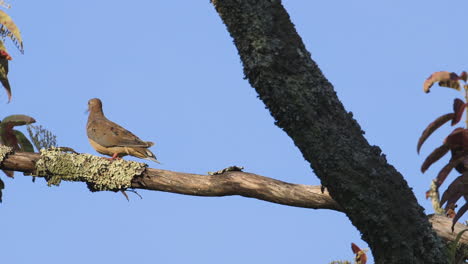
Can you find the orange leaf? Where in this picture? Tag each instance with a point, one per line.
(434, 156)
(450, 213)
(432, 127)
(444, 78)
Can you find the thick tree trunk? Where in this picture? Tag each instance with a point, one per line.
(373, 193)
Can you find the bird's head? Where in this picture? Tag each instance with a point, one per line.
(94, 105)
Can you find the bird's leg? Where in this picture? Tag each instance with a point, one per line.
(115, 156)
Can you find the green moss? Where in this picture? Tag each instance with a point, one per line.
(99, 173)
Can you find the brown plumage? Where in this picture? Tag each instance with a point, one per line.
(108, 138)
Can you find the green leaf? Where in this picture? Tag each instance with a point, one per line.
(8, 28)
(18, 120)
(23, 141)
(454, 244)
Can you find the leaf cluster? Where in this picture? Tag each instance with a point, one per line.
(14, 138)
(8, 29)
(456, 142)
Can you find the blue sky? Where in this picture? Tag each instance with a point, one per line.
(168, 71)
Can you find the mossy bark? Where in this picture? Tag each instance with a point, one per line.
(100, 174)
(304, 104)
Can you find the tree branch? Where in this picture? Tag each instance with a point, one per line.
(226, 184)
(233, 183)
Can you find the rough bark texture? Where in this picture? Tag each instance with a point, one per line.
(233, 183)
(237, 183)
(442, 226)
(373, 193)
(226, 184)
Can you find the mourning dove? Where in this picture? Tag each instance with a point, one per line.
(108, 138)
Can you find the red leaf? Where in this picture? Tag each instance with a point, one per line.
(445, 78)
(355, 248)
(459, 214)
(428, 194)
(455, 191)
(432, 127)
(7, 134)
(456, 153)
(4, 54)
(444, 172)
(458, 109)
(361, 257)
(458, 139)
(464, 76)
(434, 156)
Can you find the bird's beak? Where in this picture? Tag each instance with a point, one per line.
(86, 111)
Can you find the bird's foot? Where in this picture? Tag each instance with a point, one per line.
(111, 159)
(114, 157)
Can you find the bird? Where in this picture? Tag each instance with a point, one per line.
(108, 138)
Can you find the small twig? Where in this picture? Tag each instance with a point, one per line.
(135, 192)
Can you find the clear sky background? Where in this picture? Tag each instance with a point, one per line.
(169, 72)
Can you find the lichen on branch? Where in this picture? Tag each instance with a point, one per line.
(4, 151)
(100, 174)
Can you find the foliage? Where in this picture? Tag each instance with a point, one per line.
(8, 29)
(456, 142)
(14, 138)
(453, 246)
(359, 258)
(41, 137)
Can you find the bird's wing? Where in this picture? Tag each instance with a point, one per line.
(108, 134)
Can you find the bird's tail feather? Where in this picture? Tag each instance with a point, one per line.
(151, 156)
